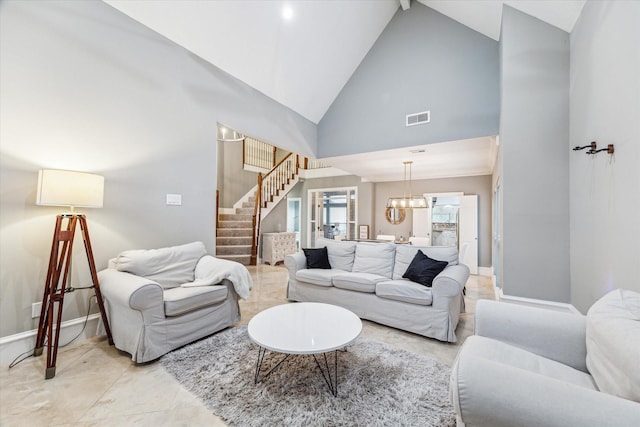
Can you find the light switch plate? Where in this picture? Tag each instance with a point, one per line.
(36, 307)
(174, 199)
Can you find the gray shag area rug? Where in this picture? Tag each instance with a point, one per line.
(379, 385)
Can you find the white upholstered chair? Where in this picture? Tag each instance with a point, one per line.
(529, 366)
(160, 299)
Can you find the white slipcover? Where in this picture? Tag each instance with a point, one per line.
(150, 316)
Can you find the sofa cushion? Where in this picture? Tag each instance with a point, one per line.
(180, 300)
(318, 276)
(613, 343)
(169, 266)
(500, 352)
(340, 253)
(375, 258)
(424, 269)
(361, 282)
(406, 253)
(317, 258)
(404, 290)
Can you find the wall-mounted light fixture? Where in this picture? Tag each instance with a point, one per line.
(593, 148)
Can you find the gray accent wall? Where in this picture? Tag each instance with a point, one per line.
(421, 61)
(605, 190)
(84, 87)
(534, 136)
(479, 185)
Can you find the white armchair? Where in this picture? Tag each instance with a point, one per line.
(161, 299)
(535, 367)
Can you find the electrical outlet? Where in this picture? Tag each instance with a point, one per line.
(174, 199)
(35, 309)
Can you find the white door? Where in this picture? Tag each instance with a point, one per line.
(293, 217)
(469, 231)
(497, 256)
(422, 223)
(315, 218)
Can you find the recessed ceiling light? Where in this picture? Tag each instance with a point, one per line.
(287, 13)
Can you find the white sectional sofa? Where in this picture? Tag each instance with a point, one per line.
(366, 278)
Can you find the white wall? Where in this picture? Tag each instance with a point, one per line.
(605, 190)
(84, 87)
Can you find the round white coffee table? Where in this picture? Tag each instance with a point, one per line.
(304, 328)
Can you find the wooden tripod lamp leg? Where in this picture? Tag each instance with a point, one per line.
(94, 276)
(53, 262)
(57, 274)
(54, 291)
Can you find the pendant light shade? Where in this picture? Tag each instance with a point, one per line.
(408, 200)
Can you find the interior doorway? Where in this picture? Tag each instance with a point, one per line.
(450, 219)
(332, 214)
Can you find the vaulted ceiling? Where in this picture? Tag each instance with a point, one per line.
(302, 52)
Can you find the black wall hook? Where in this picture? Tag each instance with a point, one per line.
(591, 147)
(609, 150)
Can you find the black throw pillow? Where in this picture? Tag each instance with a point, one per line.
(424, 269)
(317, 258)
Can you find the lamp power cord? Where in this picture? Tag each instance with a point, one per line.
(29, 353)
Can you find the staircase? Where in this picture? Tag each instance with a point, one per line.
(235, 233)
(236, 238)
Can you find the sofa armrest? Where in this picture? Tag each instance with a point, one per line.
(551, 334)
(451, 280)
(295, 262)
(131, 291)
(448, 285)
(488, 393)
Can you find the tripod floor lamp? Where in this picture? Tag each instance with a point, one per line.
(72, 189)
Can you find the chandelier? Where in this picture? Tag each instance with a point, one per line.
(405, 201)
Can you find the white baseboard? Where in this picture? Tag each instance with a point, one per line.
(532, 302)
(14, 345)
(485, 271)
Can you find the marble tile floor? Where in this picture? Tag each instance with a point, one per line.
(96, 385)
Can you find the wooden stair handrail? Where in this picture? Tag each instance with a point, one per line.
(264, 195)
(255, 222)
(273, 181)
(217, 211)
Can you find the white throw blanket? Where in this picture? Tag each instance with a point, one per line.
(211, 271)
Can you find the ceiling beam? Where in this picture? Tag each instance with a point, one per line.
(406, 4)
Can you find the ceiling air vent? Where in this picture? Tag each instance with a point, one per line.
(418, 118)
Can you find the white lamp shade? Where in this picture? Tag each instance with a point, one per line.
(69, 188)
